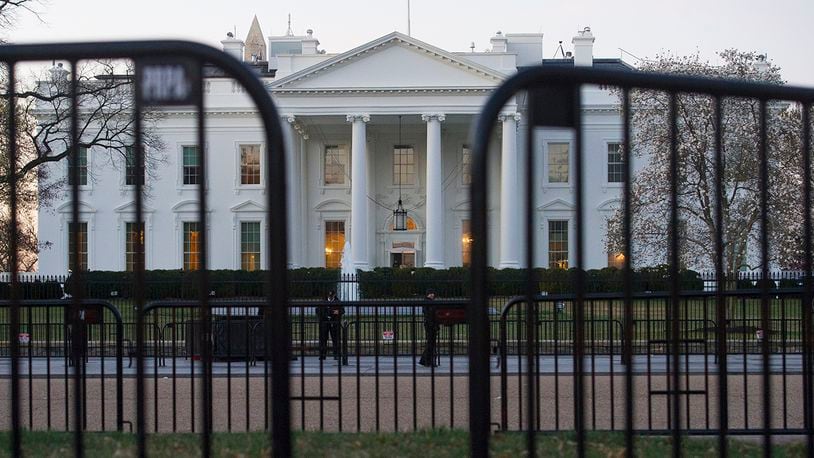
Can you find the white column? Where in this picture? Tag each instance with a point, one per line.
(292, 190)
(434, 249)
(510, 214)
(358, 192)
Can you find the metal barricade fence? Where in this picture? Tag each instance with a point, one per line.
(167, 74)
(553, 98)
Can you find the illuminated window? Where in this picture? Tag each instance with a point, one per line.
(131, 169)
(250, 245)
(81, 161)
(249, 164)
(616, 259)
(411, 226)
(191, 165)
(558, 244)
(403, 165)
(466, 243)
(616, 168)
(132, 235)
(335, 166)
(466, 166)
(558, 162)
(192, 246)
(334, 243)
(81, 230)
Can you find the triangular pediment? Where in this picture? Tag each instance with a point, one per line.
(248, 206)
(394, 61)
(130, 207)
(556, 205)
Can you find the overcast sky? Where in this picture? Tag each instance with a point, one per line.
(783, 29)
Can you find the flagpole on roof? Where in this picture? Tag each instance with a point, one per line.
(408, 19)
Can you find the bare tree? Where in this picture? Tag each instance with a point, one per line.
(42, 104)
(697, 125)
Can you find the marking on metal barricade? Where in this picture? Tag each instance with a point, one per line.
(168, 82)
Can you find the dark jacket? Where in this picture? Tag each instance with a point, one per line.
(331, 312)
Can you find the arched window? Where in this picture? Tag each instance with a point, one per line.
(411, 226)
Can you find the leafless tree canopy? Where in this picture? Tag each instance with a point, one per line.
(696, 181)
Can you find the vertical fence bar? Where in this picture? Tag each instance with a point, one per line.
(14, 331)
(674, 387)
(530, 291)
(141, 432)
(627, 273)
(808, 393)
(277, 283)
(478, 352)
(720, 296)
(764, 283)
(579, 284)
(203, 276)
(76, 334)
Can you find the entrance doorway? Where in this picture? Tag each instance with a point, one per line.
(403, 259)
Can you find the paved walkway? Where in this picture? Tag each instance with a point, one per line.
(369, 365)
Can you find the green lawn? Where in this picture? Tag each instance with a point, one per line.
(439, 443)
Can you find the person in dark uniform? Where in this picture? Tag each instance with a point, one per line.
(431, 333)
(329, 323)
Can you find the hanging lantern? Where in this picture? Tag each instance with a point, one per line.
(399, 218)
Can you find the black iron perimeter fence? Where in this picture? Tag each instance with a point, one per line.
(716, 355)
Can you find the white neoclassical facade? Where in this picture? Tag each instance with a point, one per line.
(385, 121)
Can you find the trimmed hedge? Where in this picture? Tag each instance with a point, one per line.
(33, 290)
(180, 284)
(382, 282)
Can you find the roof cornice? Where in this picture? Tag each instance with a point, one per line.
(386, 41)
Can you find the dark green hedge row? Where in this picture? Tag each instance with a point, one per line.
(179, 284)
(389, 282)
(33, 290)
(377, 283)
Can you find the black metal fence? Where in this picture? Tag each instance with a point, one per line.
(554, 99)
(678, 360)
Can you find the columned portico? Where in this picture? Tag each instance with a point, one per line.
(359, 222)
(510, 201)
(435, 193)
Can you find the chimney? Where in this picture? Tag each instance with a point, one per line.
(499, 42)
(309, 43)
(58, 73)
(761, 64)
(233, 46)
(583, 48)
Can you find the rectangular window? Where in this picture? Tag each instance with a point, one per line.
(133, 233)
(81, 229)
(558, 162)
(335, 166)
(250, 245)
(131, 169)
(466, 166)
(403, 165)
(558, 244)
(466, 243)
(616, 169)
(249, 164)
(191, 165)
(81, 159)
(334, 243)
(192, 246)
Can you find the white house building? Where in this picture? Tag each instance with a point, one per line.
(385, 121)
